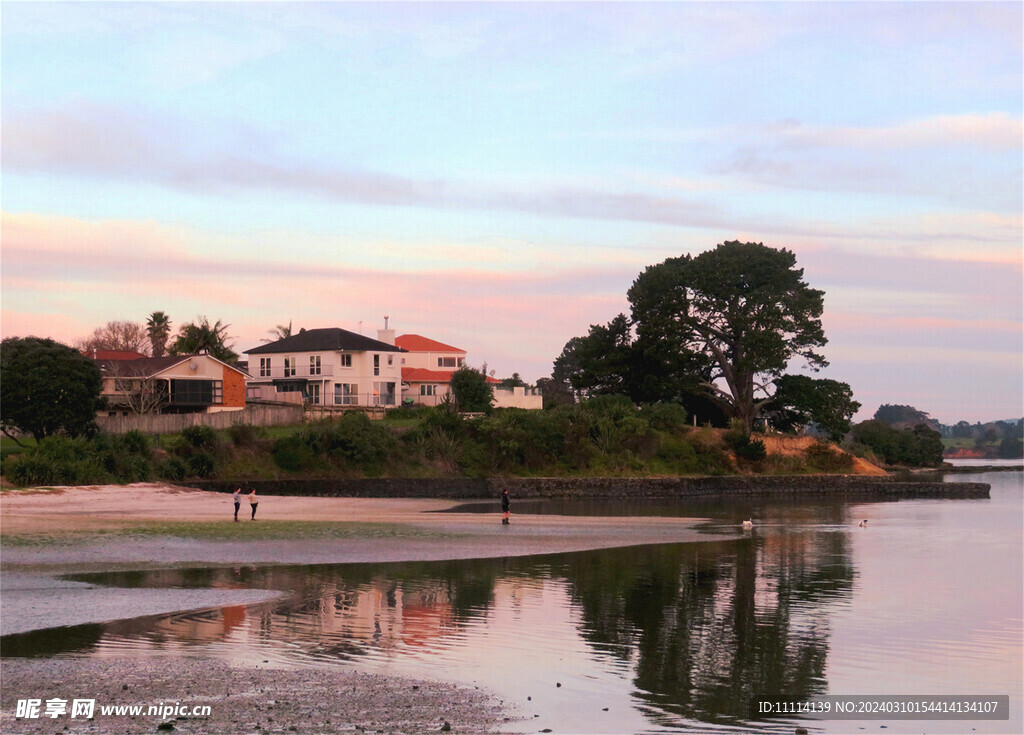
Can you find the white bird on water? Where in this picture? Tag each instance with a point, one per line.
(748, 524)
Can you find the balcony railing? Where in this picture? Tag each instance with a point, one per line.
(299, 371)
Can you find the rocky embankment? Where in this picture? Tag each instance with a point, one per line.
(857, 487)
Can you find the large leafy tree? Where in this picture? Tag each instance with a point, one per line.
(902, 417)
(47, 388)
(204, 337)
(118, 335)
(800, 400)
(471, 390)
(917, 447)
(599, 363)
(612, 359)
(741, 311)
(158, 328)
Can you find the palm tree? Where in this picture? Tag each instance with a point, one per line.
(279, 332)
(158, 326)
(204, 337)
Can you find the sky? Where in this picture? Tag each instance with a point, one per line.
(495, 176)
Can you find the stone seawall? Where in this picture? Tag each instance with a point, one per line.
(860, 487)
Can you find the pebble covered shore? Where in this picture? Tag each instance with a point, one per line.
(241, 699)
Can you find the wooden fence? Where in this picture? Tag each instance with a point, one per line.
(256, 415)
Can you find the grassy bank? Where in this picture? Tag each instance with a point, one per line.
(605, 437)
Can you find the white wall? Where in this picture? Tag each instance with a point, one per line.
(518, 397)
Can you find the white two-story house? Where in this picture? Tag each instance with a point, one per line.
(332, 367)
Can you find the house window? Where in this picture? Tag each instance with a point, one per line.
(383, 394)
(346, 394)
(428, 390)
(196, 392)
(289, 366)
(346, 360)
(314, 364)
(314, 393)
(264, 367)
(447, 362)
(376, 364)
(391, 360)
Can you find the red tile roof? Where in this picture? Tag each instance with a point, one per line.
(423, 375)
(418, 343)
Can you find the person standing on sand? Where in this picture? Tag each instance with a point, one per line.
(505, 512)
(253, 502)
(237, 497)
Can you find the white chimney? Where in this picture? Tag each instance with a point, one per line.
(386, 335)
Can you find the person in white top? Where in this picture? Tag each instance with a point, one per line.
(253, 502)
(237, 497)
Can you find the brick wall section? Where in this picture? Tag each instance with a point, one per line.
(234, 388)
(846, 487)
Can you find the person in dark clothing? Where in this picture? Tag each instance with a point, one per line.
(505, 512)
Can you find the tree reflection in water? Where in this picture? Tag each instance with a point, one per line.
(702, 628)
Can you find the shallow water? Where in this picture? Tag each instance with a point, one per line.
(927, 599)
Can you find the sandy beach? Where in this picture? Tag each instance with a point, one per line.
(54, 531)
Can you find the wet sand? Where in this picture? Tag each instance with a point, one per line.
(58, 531)
(250, 699)
(90, 528)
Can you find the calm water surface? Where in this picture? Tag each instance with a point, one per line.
(927, 599)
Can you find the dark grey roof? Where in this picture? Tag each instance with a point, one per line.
(324, 340)
(145, 367)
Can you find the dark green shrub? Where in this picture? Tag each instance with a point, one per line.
(358, 440)
(752, 450)
(519, 439)
(291, 454)
(64, 449)
(736, 435)
(135, 442)
(245, 435)
(133, 468)
(201, 464)
(354, 439)
(670, 417)
(445, 418)
(679, 454)
(200, 437)
(745, 448)
(173, 469)
(30, 471)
